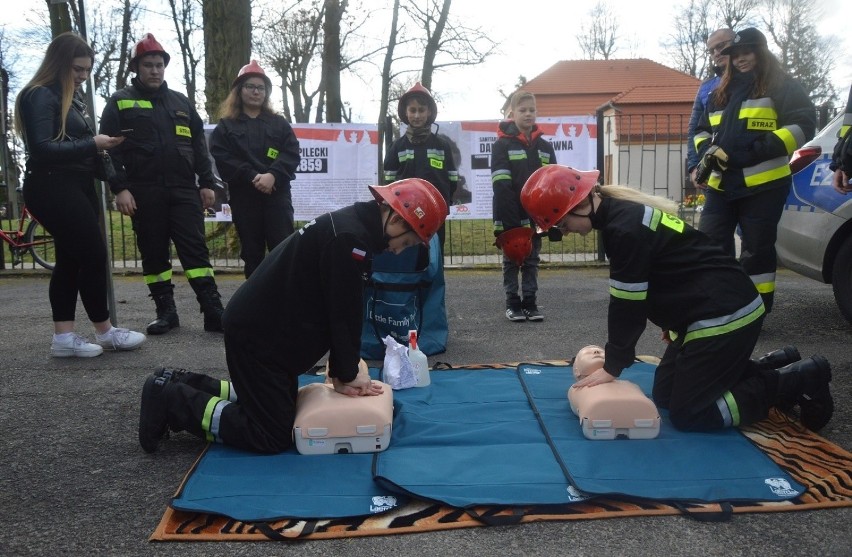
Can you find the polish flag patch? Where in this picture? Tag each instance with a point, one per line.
(358, 254)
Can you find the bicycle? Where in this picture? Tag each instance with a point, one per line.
(30, 237)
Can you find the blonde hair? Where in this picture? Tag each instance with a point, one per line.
(629, 194)
(56, 67)
(517, 98)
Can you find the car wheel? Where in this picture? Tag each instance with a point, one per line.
(841, 279)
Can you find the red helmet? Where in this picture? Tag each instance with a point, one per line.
(516, 243)
(418, 202)
(422, 92)
(553, 191)
(148, 45)
(252, 69)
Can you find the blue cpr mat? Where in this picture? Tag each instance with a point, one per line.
(675, 466)
(486, 437)
(473, 441)
(251, 487)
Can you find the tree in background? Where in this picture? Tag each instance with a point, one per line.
(331, 62)
(807, 56)
(227, 47)
(444, 41)
(111, 34)
(385, 134)
(289, 43)
(599, 33)
(687, 43)
(185, 18)
(9, 169)
(63, 17)
(736, 13)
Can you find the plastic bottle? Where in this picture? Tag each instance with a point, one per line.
(418, 361)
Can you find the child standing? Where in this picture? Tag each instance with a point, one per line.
(519, 150)
(420, 153)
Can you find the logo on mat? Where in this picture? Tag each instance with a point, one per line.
(532, 371)
(780, 487)
(382, 503)
(575, 494)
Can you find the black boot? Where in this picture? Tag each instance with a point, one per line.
(211, 307)
(806, 383)
(167, 317)
(153, 417)
(778, 358)
(198, 381)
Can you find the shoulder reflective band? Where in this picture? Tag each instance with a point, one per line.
(124, 104)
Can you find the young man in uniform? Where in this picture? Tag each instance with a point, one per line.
(155, 185)
(304, 300)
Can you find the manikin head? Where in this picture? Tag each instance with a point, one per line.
(589, 359)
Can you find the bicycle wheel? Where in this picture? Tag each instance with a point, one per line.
(42, 250)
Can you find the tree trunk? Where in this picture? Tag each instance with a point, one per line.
(331, 59)
(227, 47)
(386, 79)
(432, 46)
(60, 18)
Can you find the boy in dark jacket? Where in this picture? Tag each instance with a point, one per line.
(420, 153)
(519, 151)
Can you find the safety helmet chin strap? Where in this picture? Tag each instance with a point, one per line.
(387, 237)
(591, 212)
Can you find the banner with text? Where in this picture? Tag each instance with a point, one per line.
(339, 161)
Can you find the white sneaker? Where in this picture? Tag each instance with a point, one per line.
(74, 346)
(118, 338)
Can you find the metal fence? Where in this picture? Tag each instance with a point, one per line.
(647, 152)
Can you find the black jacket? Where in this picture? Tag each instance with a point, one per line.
(664, 271)
(513, 160)
(431, 160)
(166, 146)
(306, 297)
(842, 155)
(40, 112)
(758, 134)
(245, 147)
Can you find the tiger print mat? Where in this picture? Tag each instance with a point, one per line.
(825, 468)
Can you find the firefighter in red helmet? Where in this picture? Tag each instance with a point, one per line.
(664, 271)
(256, 154)
(164, 180)
(303, 301)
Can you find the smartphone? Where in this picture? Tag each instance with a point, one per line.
(126, 132)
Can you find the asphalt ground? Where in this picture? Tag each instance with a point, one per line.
(74, 481)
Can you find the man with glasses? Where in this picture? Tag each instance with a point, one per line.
(155, 184)
(717, 41)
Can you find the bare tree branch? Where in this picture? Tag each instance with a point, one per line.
(598, 35)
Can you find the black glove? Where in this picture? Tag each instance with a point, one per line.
(714, 159)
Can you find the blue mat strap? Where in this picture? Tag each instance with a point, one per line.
(724, 514)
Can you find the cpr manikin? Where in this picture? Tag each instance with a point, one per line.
(328, 422)
(611, 410)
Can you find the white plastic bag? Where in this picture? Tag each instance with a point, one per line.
(397, 370)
